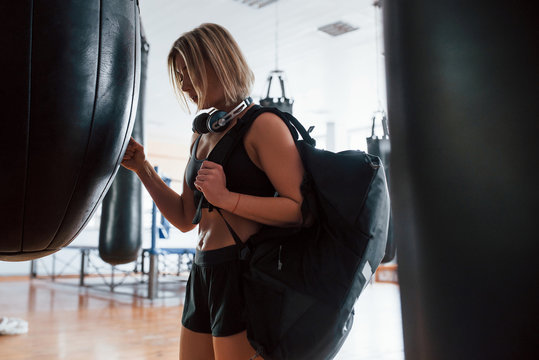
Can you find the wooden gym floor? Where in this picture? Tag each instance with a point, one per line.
(71, 322)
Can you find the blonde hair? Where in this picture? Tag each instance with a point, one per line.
(213, 44)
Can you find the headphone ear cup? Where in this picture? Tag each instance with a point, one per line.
(200, 124)
(212, 123)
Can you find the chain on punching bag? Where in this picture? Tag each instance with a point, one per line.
(280, 102)
(68, 100)
(381, 147)
(120, 231)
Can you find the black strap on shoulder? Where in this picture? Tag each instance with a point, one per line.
(291, 122)
(224, 147)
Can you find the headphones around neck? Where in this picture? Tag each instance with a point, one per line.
(217, 120)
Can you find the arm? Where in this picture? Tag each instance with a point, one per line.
(177, 209)
(275, 152)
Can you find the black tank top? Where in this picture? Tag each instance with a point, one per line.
(242, 175)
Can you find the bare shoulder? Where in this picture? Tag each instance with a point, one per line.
(268, 127)
(268, 119)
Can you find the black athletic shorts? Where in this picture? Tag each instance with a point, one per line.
(214, 302)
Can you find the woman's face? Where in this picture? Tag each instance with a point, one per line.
(215, 96)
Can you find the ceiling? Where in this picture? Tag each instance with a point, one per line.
(336, 79)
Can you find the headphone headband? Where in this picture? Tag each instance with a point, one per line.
(220, 123)
(217, 120)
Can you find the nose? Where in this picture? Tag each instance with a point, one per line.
(186, 84)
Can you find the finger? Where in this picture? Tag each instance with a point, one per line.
(204, 172)
(201, 178)
(198, 186)
(133, 144)
(209, 165)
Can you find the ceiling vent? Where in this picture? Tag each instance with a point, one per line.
(337, 28)
(257, 4)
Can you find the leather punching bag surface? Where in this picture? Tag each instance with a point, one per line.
(68, 98)
(462, 94)
(120, 231)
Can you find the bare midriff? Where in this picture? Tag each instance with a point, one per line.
(214, 234)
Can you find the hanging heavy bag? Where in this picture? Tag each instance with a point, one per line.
(120, 227)
(68, 104)
(381, 147)
(301, 284)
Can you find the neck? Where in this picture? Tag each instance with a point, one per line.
(229, 108)
(245, 110)
(241, 107)
(235, 120)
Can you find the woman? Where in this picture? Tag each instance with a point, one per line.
(208, 69)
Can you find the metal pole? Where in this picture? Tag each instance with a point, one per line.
(152, 280)
(33, 269)
(112, 278)
(53, 277)
(154, 266)
(82, 266)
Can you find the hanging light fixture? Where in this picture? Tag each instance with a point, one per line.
(276, 99)
(257, 4)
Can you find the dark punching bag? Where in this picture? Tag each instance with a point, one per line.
(68, 97)
(120, 231)
(381, 147)
(462, 93)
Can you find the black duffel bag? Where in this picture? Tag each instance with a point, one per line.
(301, 284)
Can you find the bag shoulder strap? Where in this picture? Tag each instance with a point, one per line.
(235, 135)
(291, 122)
(221, 152)
(224, 147)
(232, 139)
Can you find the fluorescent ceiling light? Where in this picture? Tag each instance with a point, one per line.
(337, 28)
(257, 4)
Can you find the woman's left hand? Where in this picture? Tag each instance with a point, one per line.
(211, 181)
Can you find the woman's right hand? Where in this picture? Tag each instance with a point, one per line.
(134, 156)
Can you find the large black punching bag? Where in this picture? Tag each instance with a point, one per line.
(68, 98)
(120, 231)
(462, 94)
